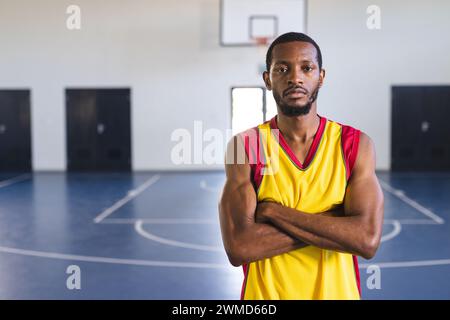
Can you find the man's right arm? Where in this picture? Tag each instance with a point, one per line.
(244, 239)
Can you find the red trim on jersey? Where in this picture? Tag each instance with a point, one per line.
(244, 283)
(252, 149)
(312, 150)
(358, 280)
(350, 144)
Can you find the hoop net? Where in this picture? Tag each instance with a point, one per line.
(261, 41)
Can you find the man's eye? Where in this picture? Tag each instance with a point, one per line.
(307, 68)
(282, 69)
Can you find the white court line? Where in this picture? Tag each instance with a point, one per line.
(140, 230)
(401, 195)
(407, 264)
(154, 263)
(17, 179)
(212, 221)
(160, 221)
(395, 232)
(215, 222)
(413, 221)
(130, 196)
(135, 262)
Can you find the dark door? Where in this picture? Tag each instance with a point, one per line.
(98, 129)
(420, 133)
(15, 130)
(437, 136)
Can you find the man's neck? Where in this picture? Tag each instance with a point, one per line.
(300, 128)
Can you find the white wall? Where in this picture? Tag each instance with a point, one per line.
(168, 53)
(412, 47)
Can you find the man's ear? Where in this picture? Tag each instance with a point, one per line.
(266, 78)
(321, 77)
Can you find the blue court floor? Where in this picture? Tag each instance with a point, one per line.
(155, 235)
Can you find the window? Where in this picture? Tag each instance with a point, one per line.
(250, 106)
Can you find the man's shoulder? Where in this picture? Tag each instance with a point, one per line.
(353, 142)
(344, 126)
(250, 132)
(352, 133)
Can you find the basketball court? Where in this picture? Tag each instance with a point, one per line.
(98, 104)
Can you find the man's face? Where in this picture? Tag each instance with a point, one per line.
(294, 77)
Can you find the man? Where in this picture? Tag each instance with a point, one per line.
(306, 200)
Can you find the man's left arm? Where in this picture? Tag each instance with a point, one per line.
(358, 231)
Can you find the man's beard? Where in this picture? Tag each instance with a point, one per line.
(294, 111)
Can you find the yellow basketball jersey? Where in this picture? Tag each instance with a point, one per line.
(315, 186)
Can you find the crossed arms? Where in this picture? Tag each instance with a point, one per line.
(253, 231)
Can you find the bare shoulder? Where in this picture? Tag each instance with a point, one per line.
(236, 162)
(365, 160)
(366, 143)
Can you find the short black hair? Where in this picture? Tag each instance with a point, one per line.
(290, 37)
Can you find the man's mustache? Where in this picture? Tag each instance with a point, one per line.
(295, 88)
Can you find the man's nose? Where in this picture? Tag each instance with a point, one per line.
(296, 77)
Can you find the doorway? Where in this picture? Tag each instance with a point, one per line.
(98, 129)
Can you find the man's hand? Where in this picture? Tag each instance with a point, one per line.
(264, 210)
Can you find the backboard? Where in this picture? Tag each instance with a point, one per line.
(242, 22)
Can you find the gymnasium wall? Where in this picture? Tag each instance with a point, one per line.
(362, 64)
(168, 53)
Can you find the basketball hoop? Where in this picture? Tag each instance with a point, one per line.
(261, 41)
